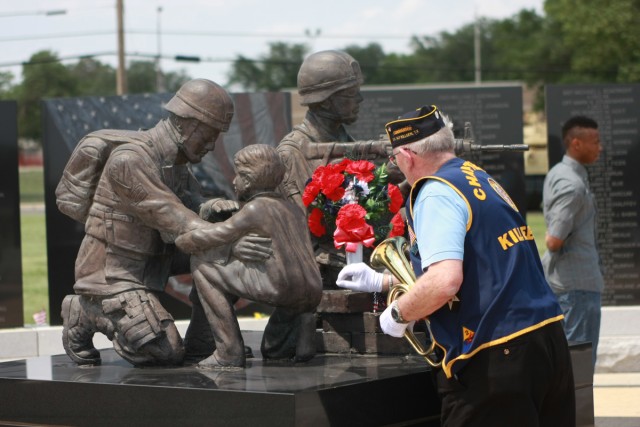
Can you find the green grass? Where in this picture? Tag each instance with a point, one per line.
(35, 282)
(535, 220)
(34, 265)
(31, 185)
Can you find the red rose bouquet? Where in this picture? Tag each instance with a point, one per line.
(353, 201)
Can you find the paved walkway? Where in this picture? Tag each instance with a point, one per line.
(616, 399)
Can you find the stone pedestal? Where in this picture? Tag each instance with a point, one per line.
(347, 324)
(335, 390)
(329, 390)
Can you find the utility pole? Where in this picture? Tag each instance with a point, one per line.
(121, 76)
(159, 77)
(313, 35)
(476, 50)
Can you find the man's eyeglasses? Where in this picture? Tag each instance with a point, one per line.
(393, 160)
(393, 157)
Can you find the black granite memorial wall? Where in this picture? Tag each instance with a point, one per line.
(259, 118)
(495, 113)
(614, 178)
(11, 306)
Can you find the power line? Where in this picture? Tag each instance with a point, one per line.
(57, 36)
(303, 35)
(34, 12)
(202, 34)
(179, 58)
(194, 58)
(54, 60)
(52, 12)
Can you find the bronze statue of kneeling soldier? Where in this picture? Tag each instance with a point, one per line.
(135, 194)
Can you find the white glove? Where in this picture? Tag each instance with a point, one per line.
(360, 277)
(391, 327)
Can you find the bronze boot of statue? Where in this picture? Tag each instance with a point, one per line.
(306, 341)
(289, 336)
(198, 341)
(77, 332)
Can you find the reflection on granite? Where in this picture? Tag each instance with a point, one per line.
(329, 390)
(322, 371)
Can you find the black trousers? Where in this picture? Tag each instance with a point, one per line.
(527, 381)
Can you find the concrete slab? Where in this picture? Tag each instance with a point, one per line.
(23, 343)
(619, 347)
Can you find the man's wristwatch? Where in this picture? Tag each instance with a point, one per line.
(395, 313)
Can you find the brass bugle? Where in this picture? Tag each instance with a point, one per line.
(390, 254)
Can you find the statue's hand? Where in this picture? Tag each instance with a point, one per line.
(382, 148)
(252, 248)
(218, 209)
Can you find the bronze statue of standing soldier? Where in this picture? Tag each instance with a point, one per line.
(329, 85)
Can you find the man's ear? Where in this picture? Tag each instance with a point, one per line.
(574, 144)
(408, 155)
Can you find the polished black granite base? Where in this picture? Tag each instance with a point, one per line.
(329, 390)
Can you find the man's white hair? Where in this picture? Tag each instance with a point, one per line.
(440, 142)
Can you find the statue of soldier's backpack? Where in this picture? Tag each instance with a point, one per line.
(74, 193)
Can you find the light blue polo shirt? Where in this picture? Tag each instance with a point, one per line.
(440, 239)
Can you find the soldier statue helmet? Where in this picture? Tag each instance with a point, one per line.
(205, 101)
(326, 72)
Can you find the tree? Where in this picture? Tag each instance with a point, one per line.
(6, 85)
(511, 46)
(94, 77)
(141, 77)
(370, 58)
(173, 80)
(274, 71)
(42, 77)
(448, 57)
(602, 40)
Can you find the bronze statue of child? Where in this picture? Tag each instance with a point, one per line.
(289, 280)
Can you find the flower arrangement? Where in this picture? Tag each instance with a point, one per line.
(353, 201)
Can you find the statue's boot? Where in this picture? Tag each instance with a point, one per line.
(77, 332)
(289, 336)
(199, 342)
(306, 342)
(216, 362)
(279, 340)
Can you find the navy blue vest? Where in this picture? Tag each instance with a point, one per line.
(504, 293)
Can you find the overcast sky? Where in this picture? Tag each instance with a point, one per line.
(218, 31)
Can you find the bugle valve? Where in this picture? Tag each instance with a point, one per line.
(390, 254)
